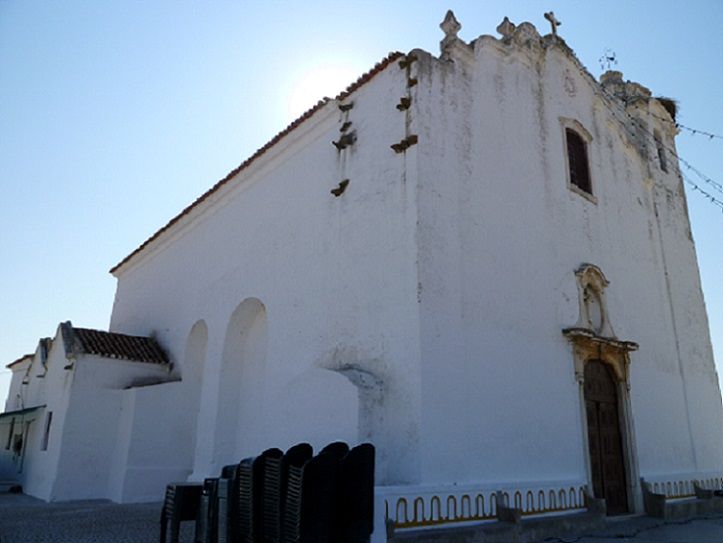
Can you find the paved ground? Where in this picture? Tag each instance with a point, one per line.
(649, 530)
(27, 520)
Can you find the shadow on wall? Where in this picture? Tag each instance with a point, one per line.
(319, 406)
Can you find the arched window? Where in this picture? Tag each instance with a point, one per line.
(577, 160)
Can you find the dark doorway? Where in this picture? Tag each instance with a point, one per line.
(605, 442)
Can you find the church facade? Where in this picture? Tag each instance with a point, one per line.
(481, 262)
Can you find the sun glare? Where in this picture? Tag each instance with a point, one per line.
(317, 82)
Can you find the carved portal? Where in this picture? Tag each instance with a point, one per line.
(594, 347)
(592, 336)
(587, 346)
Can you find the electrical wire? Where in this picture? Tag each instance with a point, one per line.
(614, 100)
(694, 131)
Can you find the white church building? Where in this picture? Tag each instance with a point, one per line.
(481, 262)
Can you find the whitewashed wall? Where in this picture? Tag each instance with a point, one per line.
(149, 445)
(92, 424)
(500, 236)
(335, 277)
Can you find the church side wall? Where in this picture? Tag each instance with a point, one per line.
(332, 277)
(696, 369)
(500, 237)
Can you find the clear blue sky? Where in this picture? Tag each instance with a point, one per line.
(116, 115)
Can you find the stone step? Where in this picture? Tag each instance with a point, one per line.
(692, 507)
(528, 530)
(704, 502)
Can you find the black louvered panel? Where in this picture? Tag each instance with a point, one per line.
(181, 503)
(204, 531)
(318, 499)
(271, 502)
(227, 488)
(290, 498)
(168, 503)
(356, 495)
(224, 493)
(291, 520)
(202, 520)
(245, 501)
(210, 496)
(338, 449)
(291, 474)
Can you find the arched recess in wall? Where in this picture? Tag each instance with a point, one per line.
(194, 361)
(239, 420)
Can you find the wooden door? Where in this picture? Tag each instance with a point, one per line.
(605, 442)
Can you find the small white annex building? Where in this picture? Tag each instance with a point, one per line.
(480, 262)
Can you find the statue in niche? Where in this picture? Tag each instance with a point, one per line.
(593, 308)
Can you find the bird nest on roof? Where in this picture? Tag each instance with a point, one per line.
(670, 105)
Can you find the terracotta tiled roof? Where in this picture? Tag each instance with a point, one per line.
(380, 66)
(16, 362)
(112, 345)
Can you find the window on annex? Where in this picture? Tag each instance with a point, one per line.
(46, 432)
(10, 435)
(579, 168)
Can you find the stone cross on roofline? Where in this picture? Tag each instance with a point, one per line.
(554, 23)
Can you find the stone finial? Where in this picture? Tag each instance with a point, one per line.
(506, 28)
(554, 23)
(450, 26)
(451, 46)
